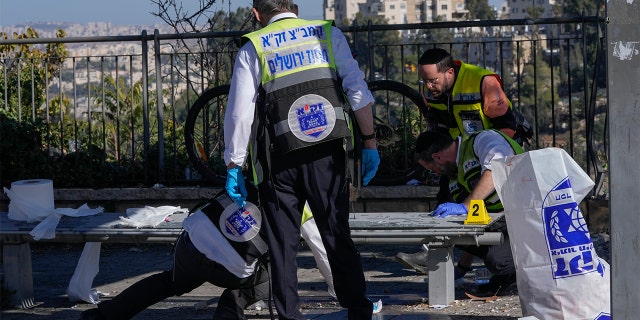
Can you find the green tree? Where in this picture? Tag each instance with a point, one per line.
(479, 9)
(28, 68)
(536, 94)
(576, 8)
(210, 60)
(221, 52)
(27, 140)
(435, 36)
(386, 61)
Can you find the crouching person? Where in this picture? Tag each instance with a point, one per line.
(222, 245)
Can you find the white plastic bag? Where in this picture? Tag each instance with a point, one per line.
(80, 285)
(559, 274)
(149, 216)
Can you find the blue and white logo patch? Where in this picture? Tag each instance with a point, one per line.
(471, 126)
(568, 239)
(240, 224)
(311, 118)
(470, 164)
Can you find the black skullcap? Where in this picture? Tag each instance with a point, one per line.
(433, 56)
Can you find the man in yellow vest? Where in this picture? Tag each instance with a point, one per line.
(462, 99)
(469, 160)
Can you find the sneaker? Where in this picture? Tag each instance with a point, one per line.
(377, 306)
(258, 305)
(416, 261)
(496, 283)
(92, 314)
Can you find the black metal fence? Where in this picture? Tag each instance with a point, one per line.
(119, 118)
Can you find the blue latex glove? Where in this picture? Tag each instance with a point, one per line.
(450, 209)
(370, 163)
(235, 186)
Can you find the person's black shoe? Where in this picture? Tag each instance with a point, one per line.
(497, 283)
(416, 261)
(92, 314)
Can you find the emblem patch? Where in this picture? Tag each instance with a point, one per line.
(240, 224)
(568, 239)
(311, 118)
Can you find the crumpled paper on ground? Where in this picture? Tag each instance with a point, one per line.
(149, 217)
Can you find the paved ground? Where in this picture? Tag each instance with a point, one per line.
(403, 292)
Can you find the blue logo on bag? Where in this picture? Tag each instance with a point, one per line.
(570, 247)
(603, 316)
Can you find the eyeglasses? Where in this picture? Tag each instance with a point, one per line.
(425, 84)
(431, 81)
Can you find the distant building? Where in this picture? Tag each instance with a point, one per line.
(519, 9)
(396, 11)
(418, 11)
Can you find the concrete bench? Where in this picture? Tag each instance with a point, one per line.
(402, 228)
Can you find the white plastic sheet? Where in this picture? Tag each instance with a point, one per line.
(559, 274)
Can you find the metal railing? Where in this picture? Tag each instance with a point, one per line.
(127, 110)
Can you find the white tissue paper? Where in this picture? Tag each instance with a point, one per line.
(47, 228)
(32, 201)
(80, 285)
(149, 217)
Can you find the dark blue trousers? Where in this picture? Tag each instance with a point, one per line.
(190, 270)
(315, 174)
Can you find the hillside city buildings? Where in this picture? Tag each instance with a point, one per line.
(342, 11)
(418, 11)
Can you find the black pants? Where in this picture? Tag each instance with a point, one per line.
(317, 175)
(498, 258)
(190, 270)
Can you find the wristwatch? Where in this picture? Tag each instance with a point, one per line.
(368, 136)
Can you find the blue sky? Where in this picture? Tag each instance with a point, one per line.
(120, 12)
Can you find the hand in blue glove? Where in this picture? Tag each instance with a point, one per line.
(235, 186)
(370, 163)
(450, 209)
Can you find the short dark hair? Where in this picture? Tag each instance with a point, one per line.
(430, 142)
(440, 57)
(272, 7)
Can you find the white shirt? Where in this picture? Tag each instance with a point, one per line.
(491, 145)
(209, 241)
(245, 82)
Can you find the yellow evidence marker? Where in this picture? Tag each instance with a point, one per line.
(477, 213)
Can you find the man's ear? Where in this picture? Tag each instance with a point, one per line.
(256, 14)
(436, 156)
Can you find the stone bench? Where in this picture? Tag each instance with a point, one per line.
(402, 228)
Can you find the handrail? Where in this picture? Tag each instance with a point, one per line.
(351, 28)
(507, 56)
